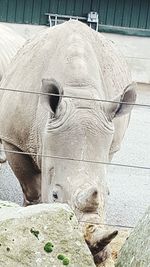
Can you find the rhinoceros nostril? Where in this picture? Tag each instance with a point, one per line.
(55, 195)
(95, 193)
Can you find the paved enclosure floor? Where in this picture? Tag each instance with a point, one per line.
(129, 188)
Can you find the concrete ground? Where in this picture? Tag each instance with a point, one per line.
(129, 187)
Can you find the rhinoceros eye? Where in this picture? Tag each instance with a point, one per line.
(55, 195)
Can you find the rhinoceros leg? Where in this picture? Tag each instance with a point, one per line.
(27, 174)
(2, 154)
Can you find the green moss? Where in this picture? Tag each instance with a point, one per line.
(60, 256)
(65, 261)
(35, 233)
(71, 215)
(48, 247)
(50, 244)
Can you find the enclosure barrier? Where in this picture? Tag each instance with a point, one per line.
(74, 159)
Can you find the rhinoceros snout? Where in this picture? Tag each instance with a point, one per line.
(86, 200)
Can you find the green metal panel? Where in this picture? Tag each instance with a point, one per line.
(78, 7)
(19, 11)
(119, 9)
(135, 13)
(54, 6)
(11, 11)
(70, 7)
(45, 7)
(148, 18)
(62, 7)
(3, 10)
(110, 12)
(103, 11)
(28, 9)
(95, 5)
(125, 13)
(123, 30)
(143, 14)
(36, 13)
(86, 8)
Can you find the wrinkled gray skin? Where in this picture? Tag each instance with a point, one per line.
(10, 43)
(74, 60)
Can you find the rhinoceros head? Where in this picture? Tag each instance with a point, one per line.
(77, 132)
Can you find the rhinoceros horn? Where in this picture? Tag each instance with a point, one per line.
(97, 240)
(87, 199)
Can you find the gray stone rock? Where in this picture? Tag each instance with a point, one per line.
(136, 250)
(25, 231)
(7, 204)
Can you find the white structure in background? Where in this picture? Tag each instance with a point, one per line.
(92, 19)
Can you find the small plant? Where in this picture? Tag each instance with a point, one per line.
(48, 247)
(71, 215)
(50, 244)
(35, 233)
(60, 257)
(65, 261)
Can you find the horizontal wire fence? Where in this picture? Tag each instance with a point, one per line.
(80, 98)
(75, 97)
(73, 159)
(108, 224)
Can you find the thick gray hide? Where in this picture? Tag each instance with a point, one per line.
(136, 250)
(10, 43)
(76, 60)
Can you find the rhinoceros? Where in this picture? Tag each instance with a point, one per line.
(10, 43)
(61, 131)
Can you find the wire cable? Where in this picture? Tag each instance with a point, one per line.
(78, 160)
(75, 97)
(107, 224)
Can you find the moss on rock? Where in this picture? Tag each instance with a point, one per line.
(54, 226)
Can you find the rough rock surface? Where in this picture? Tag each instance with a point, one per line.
(136, 250)
(7, 204)
(21, 244)
(12, 212)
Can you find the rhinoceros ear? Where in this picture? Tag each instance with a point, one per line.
(53, 94)
(127, 99)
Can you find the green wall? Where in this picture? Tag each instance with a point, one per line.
(122, 13)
